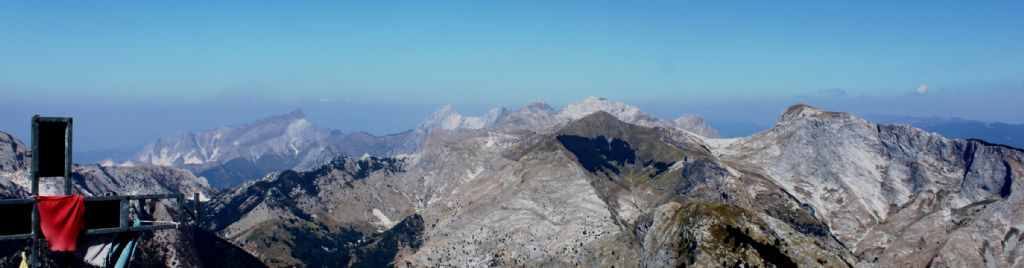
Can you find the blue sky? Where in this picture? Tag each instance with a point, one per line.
(383, 65)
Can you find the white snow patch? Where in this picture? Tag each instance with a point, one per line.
(676, 166)
(192, 159)
(624, 112)
(498, 140)
(216, 152)
(163, 159)
(473, 122)
(472, 174)
(723, 146)
(382, 220)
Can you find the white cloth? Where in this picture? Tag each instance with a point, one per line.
(99, 249)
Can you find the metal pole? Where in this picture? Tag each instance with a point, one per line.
(68, 188)
(34, 248)
(124, 214)
(35, 156)
(195, 208)
(181, 207)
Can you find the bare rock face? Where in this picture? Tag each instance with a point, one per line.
(597, 191)
(14, 163)
(695, 124)
(893, 195)
(14, 155)
(313, 218)
(537, 116)
(601, 192)
(99, 180)
(819, 189)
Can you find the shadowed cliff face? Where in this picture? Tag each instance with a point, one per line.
(600, 142)
(407, 234)
(598, 153)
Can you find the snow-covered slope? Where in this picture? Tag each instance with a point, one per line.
(286, 135)
(231, 155)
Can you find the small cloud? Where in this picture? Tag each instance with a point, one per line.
(325, 100)
(835, 92)
(922, 89)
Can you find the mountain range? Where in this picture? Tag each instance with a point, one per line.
(229, 156)
(819, 188)
(957, 128)
(598, 183)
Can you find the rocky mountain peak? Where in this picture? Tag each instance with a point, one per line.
(446, 118)
(439, 115)
(495, 114)
(800, 112)
(539, 106)
(633, 115)
(596, 119)
(296, 114)
(695, 124)
(604, 124)
(14, 155)
(625, 112)
(287, 135)
(281, 119)
(443, 111)
(538, 115)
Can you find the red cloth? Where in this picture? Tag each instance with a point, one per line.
(61, 218)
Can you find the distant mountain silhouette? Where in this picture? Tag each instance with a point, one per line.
(957, 128)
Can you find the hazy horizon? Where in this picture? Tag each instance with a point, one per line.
(127, 128)
(132, 72)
